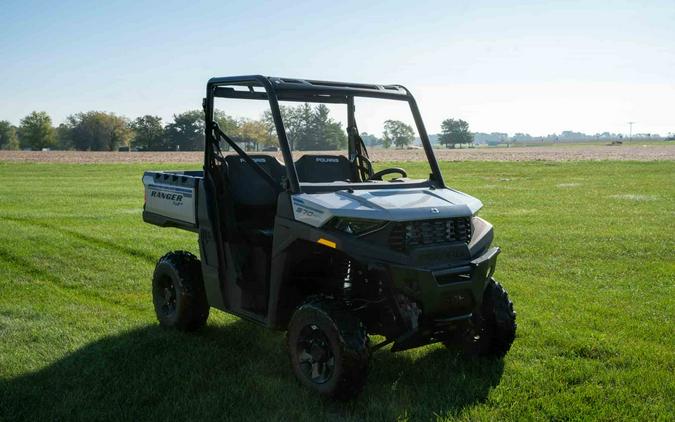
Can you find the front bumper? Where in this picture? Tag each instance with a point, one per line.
(448, 294)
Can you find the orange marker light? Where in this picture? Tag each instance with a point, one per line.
(327, 242)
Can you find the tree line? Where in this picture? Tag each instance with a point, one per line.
(308, 127)
(454, 132)
(102, 131)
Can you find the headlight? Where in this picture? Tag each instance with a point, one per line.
(355, 226)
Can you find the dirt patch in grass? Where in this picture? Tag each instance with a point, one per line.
(545, 153)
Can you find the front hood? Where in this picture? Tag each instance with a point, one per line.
(384, 204)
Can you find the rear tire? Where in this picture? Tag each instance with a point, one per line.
(492, 328)
(178, 292)
(328, 348)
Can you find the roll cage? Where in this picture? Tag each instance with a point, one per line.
(275, 89)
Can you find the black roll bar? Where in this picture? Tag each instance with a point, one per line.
(270, 95)
(304, 90)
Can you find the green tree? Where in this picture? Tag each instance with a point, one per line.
(334, 136)
(8, 139)
(98, 131)
(310, 128)
(226, 123)
(254, 133)
(455, 132)
(36, 131)
(301, 118)
(370, 140)
(294, 123)
(322, 133)
(186, 132)
(149, 134)
(397, 133)
(64, 138)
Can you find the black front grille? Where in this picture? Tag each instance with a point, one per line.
(411, 234)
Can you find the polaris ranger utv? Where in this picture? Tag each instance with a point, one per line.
(324, 246)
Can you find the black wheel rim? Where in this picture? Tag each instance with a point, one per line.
(165, 297)
(315, 356)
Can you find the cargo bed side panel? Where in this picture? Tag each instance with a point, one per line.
(170, 199)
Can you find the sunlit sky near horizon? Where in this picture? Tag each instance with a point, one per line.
(537, 67)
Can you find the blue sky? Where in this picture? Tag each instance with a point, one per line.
(537, 67)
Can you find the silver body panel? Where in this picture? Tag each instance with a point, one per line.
(169, 200)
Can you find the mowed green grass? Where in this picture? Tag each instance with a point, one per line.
(588, 259)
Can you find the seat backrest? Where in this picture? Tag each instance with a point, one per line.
(246, 185)
(323, 168)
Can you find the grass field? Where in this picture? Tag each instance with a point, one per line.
(588, 258)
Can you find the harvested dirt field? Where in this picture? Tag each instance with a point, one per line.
(547, 153)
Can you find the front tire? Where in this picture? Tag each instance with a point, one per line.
(492, 328)
(178, 292)
(328, 348)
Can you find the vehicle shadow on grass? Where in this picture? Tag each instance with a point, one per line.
(232, 372)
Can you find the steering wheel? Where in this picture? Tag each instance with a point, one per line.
(363, 165)
(393, 170)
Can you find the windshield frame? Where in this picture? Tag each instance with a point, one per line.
(311, 91)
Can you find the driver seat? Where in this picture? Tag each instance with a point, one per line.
(315, 168)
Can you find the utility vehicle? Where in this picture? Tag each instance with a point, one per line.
(325, 247)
